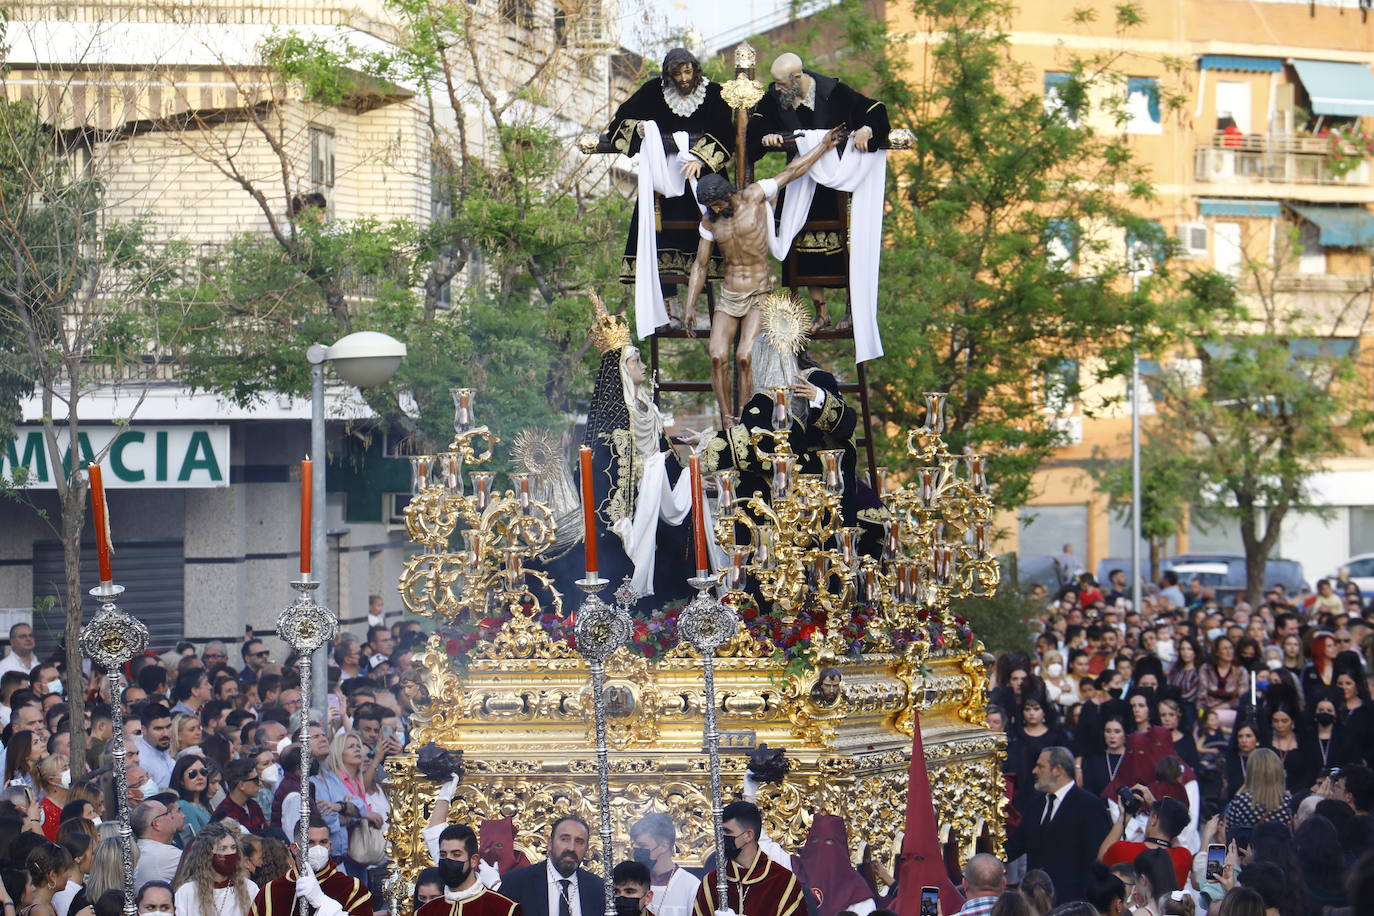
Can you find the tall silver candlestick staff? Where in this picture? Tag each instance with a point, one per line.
(109, 640)
(707, 624)
(601, 629)
(305, 625)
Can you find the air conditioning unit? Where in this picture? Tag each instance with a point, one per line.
(1192, 237)
(1218, 165)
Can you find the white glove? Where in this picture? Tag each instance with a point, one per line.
(449, 789)
(751, 786)
(308, 888)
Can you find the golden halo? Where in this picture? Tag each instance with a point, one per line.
(784, 322)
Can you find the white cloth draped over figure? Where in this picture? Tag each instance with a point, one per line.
(657, 174)
(654, 499)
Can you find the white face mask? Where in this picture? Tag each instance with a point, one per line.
(96, 821)
(317, 857)
(1054, 670)
(55, 686)
(1273, 664)
(272, 774)
(1214, 632)
(64, 779)
(149, 788)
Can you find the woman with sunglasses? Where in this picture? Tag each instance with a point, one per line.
(191, 781)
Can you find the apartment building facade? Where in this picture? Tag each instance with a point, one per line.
(192, 133)
(1238, 167)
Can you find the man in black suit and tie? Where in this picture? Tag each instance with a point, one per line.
(559, 886)
(1062, 826)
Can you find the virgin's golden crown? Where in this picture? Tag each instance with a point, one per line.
(608, 331)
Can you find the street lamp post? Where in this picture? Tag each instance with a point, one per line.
(364, 359)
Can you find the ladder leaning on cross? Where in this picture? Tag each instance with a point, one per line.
(742, 94)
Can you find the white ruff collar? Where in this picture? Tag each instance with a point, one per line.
(809, 98)
(454, 896)
(683, 105)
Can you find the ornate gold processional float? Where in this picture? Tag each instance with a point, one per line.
(509, 689)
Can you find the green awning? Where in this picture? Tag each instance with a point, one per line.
(1337, 87)
(1241, 64)
(1226, 206)
(1340, 226)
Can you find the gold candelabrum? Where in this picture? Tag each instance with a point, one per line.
(547, 729)
(795, 546)
(486, 575)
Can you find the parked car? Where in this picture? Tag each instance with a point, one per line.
(1225, 574)
(1359, 569)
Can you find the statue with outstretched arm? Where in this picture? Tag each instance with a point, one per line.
(738, 221)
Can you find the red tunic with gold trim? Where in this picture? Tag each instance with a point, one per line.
(764, 889)
(484, 903)
(278, 896)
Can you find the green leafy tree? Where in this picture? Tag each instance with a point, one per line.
(1164, 480)
(1006, 225)
(1258, 398)
(490, 293)
(84, 297)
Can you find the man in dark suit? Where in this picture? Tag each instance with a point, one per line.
(559, 886)
(1061, 827)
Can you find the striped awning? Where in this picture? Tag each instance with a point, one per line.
(111, 99)
(1240, 63)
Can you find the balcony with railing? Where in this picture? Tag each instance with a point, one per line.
(1248, 159)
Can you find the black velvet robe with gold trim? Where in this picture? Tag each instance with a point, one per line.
(819, 252)
(712, 125)
(617, 470)
(832, 425)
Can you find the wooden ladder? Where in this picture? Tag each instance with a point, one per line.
(859, 386)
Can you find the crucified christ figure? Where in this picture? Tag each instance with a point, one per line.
(738, 220)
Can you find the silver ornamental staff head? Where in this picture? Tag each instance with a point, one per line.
(707, 623)
(306, 625)
(601, 628)
(112, 637)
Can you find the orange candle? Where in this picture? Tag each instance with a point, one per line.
(588, 511)
(101, 521)
(698, 516)
(307, 485)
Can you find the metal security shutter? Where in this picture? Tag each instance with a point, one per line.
(152, 572)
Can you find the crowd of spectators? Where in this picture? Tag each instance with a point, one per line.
(1189, 755)
(213, 771)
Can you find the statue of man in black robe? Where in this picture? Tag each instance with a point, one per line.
(681, 99)
(801, 99)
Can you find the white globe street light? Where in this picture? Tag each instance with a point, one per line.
(364, 359)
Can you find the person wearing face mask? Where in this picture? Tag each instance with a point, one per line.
(755, 884)
(1060, 686)
(213, 876)
(1328, 745)
(155, 897)
(54, 780)
(653, 837)
(633, 894)
(326, 888)
(464, 892)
